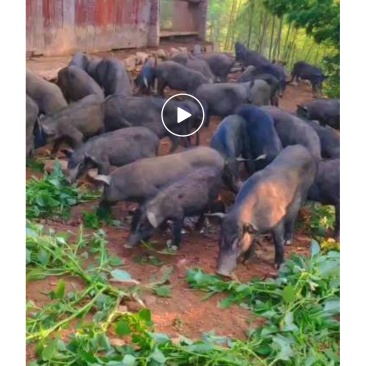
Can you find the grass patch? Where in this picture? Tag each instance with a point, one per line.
(53, 196)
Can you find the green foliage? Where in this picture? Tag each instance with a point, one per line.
(53, 196)
(319, 221)
(331, 66)
(301, 308)
(320, 18)
(36, 165)
(148, 259)
(91, 220)
(91, 311)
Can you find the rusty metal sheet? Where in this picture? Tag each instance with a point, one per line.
(56, 27)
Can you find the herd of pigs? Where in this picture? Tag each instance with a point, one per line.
(108, 120)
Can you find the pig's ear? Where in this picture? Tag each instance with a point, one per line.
(67, 152)
(220, 215)
(126, 123)
(250, 228)
(46, 128)
(91, 159)
(152, 219)
(302, 108)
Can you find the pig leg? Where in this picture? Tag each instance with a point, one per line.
(289, 231)
(175, 143)
(161, 87)
(177, 232)
(197, 138)
(250, 252)
(206, 122)
(136, 215)
(75, 138)
(291, 221)
(104, 167)
(56, 147)
(278, 238)
(200, 222)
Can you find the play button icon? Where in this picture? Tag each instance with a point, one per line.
(181, 113)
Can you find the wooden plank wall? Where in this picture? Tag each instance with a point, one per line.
(59, 27)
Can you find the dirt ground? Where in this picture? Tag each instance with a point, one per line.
(183, 313)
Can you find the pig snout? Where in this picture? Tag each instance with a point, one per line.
(226, 264)
(132, 240)
(72, 175)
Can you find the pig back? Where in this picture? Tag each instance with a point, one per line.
(266, 197)
(47, 95)
(86, 115)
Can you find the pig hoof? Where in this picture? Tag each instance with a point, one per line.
(170, 246)
(288, 242)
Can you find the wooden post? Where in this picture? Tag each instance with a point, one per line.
(203, 19)
(154, 24)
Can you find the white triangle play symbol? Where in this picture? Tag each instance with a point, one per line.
(182, 115)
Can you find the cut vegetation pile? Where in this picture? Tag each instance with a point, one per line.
(89, 324)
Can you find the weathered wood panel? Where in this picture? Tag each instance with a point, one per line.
(56, 27)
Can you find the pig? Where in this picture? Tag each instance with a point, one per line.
(292, 131)
(142, 179)
(146, 77)
(76, 84)
(326, 111)
(115, 148)
(92, 67)
(231, 140)
(274, 70)
(81, 60)
(261, 92)
(191, 195)
(326, 188)
(181, 58)
(195, 64)
(247, 72)
(112, 76)
(271, 80)
(309, 72)
(142, 57)
(268, 203)
(48, 96)
(31, 119)
(262, 136)
(220, 64)
(146, 111)
(74, 123)
(197, 49)
(179, 77)
(329, 139)
(247, 57)
(222, 99)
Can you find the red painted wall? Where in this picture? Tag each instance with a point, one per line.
(56, 27)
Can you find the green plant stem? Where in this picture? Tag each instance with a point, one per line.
(86, 307)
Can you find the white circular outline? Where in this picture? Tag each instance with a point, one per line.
(192, 133)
